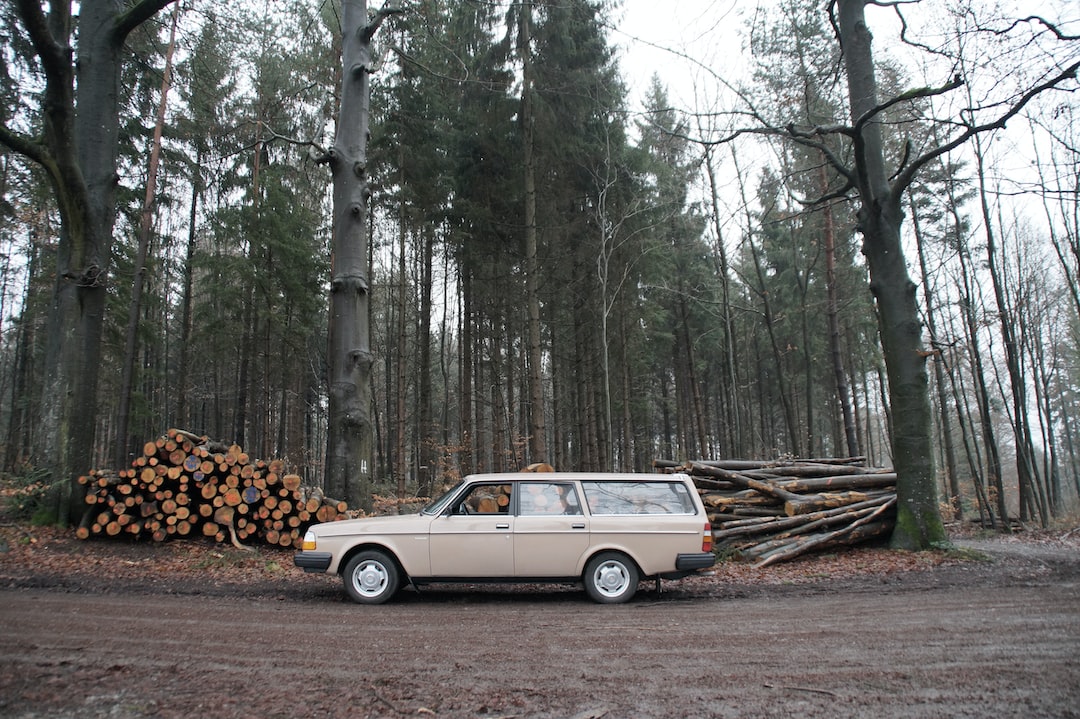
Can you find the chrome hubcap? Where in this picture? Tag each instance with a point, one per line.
(370, 578)
(610, 578)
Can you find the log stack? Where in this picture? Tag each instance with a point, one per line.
(771, 511)
(184, 484)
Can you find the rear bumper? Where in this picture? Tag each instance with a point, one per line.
(694, 561)
(313, 561)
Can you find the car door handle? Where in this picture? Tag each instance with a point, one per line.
(578, 525)
(502, 526)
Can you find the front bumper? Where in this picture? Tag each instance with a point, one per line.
(313, 561)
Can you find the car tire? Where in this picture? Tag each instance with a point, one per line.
(371, 577)
(611, 578)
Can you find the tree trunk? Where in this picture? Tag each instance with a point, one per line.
(695, 425)
(832, 310)
(761, 290)
(20, 429)
(628, 460)
(79, 155)
(1025, 470)
(777, 354)
(467, 332)
(500, 445)
(918, 524)
(729, 382)
(399, 463)
(986, 421)
(952, 478)
(349, 358)
(187, 299)
(606, 230)
(538, 428)
(247, 338)
(123, 444)
(426, 434)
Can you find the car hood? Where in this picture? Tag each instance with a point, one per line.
(392, 524)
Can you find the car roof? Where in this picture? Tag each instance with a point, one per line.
(572, 476)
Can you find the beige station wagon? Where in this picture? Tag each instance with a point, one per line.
(607, 531)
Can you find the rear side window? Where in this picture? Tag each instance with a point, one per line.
(638, 498)
(544, 498)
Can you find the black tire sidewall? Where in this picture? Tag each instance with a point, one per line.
(392, 573)
(589, 578)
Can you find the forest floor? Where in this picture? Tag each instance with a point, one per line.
(113, 628)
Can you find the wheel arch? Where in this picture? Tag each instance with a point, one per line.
(347, 556)
(607, 548)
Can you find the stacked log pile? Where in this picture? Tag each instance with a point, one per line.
(183, 484)
(769, 512)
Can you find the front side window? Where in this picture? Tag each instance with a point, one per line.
(486, 499)
(546, 498)
(638, 498)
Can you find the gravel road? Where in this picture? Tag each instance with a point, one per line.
(991, 638)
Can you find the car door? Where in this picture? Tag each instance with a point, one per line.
(475, 536)
(551, 533)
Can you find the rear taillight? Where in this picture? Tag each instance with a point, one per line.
(706, 539)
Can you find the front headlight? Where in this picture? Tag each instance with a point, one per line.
(309, 541)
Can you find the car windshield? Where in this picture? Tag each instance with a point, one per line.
(439, 504)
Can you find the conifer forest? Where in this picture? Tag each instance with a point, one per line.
(811, 229)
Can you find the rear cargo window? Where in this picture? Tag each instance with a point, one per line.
(638, 498)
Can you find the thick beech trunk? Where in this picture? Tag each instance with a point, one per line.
(919, 524)
(79, 155)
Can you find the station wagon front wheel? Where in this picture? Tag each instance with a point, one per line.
(371, 577)
(611, 578)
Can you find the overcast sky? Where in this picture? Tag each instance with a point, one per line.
(657, 38)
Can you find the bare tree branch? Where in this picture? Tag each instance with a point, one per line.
(27, 147)
(907, 175)
(368, 31)
(55, 58)
(1040, 21)
(913, 94)
(135, 16)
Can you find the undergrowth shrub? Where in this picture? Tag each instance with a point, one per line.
(25, 495)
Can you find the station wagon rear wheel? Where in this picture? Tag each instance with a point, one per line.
(371, 577)
(611, 578)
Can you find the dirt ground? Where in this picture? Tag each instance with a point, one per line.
(113, 629)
